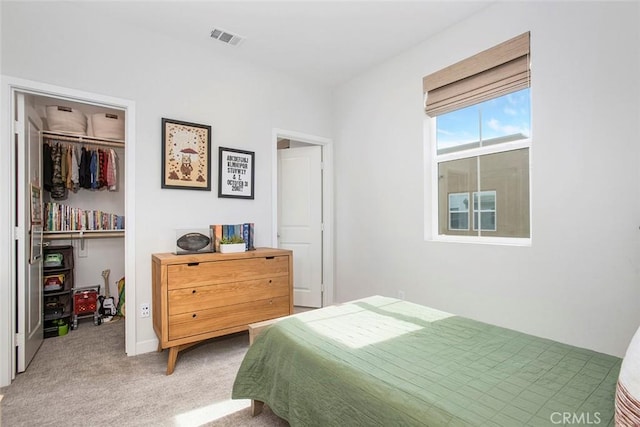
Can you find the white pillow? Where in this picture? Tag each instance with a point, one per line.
(628, 390)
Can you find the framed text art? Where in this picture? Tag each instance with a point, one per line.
(236, 173)
(186, 154)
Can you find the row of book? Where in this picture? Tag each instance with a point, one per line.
(59, 217)
(244, 231)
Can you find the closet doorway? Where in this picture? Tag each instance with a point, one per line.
(100, 256)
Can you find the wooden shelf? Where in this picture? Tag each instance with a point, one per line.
(82, 139)
(83, 234)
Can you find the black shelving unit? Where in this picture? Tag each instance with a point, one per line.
(58, 284)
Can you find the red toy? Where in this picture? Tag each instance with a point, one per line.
(85, 304)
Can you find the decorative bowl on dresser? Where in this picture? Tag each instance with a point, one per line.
(206, 295)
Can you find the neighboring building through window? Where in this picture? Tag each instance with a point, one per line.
(481, 138)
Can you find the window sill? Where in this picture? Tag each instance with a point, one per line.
(504, 241)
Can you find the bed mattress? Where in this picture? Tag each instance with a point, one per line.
(381, 362)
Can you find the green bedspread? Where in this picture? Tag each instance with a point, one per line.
(384, 362)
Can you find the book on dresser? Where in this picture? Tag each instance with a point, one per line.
(246, 231)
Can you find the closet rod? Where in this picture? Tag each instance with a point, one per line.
(81, 139)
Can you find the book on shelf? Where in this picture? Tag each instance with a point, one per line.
(59, 217)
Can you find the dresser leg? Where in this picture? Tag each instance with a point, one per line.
(173, 356)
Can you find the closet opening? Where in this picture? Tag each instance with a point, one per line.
(71, 202)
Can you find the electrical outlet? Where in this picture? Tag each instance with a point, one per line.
(400, 294)
(145, 310)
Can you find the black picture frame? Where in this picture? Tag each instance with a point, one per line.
(186, 155)
(236, 173)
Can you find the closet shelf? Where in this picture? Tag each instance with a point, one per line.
(82, 234)
(82, 139)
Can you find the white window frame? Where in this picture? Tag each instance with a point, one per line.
(432, 161)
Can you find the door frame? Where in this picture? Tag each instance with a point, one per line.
(326, 144)
(8, 86)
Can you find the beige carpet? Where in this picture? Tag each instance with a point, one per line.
(86, 379)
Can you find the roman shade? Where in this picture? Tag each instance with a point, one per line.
(489, 74)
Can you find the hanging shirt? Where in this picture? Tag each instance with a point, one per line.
(47, 167)
(75, 170)
(93, 168)
(85, 169)
(104, 167)
(111, 171)
(58, 190)
(69, 163)
(63, 164)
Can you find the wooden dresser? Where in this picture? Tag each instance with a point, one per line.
(201, 296)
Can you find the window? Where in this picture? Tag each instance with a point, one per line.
(459, 211)
(484, 210)
(481, 139)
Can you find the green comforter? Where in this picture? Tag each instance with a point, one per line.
(384, 362)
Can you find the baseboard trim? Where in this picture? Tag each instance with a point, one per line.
(146, 346)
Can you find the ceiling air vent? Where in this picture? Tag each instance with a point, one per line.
(226, 37)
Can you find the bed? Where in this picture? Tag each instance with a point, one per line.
(387, 362)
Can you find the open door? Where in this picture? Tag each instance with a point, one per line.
(28, 204)
(300, 219)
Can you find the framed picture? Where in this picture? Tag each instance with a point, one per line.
(36, 204)
(186, 154)
(236, 173)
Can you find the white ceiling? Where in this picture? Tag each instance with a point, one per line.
(327, 42)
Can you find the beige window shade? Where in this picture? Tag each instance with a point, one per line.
(494, 72)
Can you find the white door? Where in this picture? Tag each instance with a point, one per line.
(300, 219)
(29, 271)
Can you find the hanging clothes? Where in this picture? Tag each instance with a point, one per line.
(84, 178)
(93, 168)
(75, 170)
(47, 167)
(63, 164)
(68, 160)
(58, 189)
(112, 177)
(104, 166)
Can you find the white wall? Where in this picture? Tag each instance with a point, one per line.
(579, 281)
(58, 43)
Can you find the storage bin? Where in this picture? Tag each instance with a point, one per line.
(108, 125)
(51, 331)
(85, 302)
(66, 119)
(53, 282)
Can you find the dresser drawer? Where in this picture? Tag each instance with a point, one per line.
(210, 273)
(213, 319)
(198, 298)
